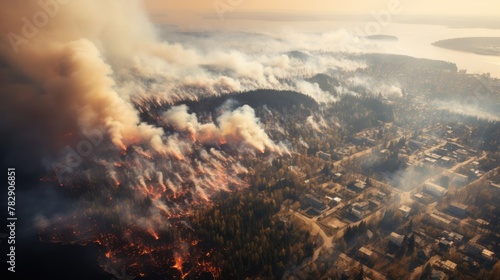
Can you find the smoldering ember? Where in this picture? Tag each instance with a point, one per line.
(250, 139)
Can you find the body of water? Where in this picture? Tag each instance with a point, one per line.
(414, 39)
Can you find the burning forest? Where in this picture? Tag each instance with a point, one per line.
(160, 151)
(132, 184)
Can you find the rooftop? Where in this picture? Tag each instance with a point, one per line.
(365, 251)
(405, 209)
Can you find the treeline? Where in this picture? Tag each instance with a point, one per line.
(246, 227)
(362, 112)
(351, 233)
(485, 135)
(396, 63)
(327, 83)
(275, 99)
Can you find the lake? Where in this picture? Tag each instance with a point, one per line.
(414, 39)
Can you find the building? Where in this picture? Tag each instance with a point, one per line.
(337, 200)
(487, 255)
(453, 236)
(405, 210)
(440, 220)
(430, 160)
(447, 266)
(482, 223)
(474, 249)
(458, 209)
(396, 239)
(434, 189)
(336, 176)
(419, 196)
(359, 209)
(433, 156)
(460, 179)
(438, 275)
(361, 205)
(445, 244)
(446, 161)
(315, 203)
(374, 203)
(360, 214)
(365, 253)
(358, 186)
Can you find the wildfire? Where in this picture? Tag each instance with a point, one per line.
(123, 147)
(159, 187)
(178, 156)
(144, 154)
(153, 233)
(178, 263)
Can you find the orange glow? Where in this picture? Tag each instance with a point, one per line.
(178, 264)
(122, 146)
(154, 234)
(179, 157)
(145, 154)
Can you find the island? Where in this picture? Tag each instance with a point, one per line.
(477, 45)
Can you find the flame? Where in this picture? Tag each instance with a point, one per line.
(144, 154)
(122, 146)
(189, 178)
(153, 233)
(178, 156)
(178, 263)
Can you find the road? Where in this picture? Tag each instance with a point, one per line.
(327, 241)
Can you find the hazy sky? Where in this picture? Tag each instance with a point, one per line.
(414, 7)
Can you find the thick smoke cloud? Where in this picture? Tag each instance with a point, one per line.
(84, 69)
(238, 128)
(80, 74)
